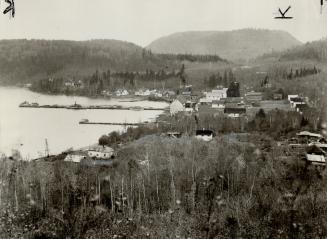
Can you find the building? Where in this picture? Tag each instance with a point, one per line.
(176, 106)
(75, 157)
(216, 94)
(316, 159)
(218, 104)
(278, 96)
(143, 92)
(169, 94)
(121, 92)
(253, 97)
(234, 112)
(204, 134)
(289, 97)
(308, 137)
(190, 106)
(101, 152)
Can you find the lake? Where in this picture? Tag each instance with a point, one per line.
(25, 129)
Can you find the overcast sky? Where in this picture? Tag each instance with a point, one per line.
(142, 21)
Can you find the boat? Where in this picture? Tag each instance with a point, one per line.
(84, 121)
(75, 106)
(24, 104)
(136, 108)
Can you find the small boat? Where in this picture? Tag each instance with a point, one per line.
(136, 108)
(75, 106)
(84, 121)
(24, 104)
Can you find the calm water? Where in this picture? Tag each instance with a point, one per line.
(25, 129)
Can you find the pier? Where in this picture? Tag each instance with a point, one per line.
(89, 107)
(110, 123)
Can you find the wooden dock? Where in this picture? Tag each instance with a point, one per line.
(110, 123)
(92, 107)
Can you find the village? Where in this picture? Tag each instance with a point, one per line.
(222, 102)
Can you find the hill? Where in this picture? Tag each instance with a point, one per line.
(232, 45)
(316, 50)
(27, 60)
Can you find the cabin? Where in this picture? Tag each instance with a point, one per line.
(101, 152)
(204, 134)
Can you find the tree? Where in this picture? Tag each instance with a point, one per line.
(104, 140)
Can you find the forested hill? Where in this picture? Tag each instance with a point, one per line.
(316, 50)
(26, 60)
(231, 45)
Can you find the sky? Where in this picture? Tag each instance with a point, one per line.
(142, 21)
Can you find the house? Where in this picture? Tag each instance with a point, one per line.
(176, 106)
(218, 104)
(142, 92)
(169, 94)
(253, 97)
(190, 106)
(121, 92)
(278, 96)
(234, 112)
(204, 134)
(308, 137)
(75, 157)
(316, 155)
(216, 94)
(314, 159)
(289, 97)
(297, 101)
(101, 152)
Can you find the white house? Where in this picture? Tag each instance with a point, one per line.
(121, 93)
(100, 152)
(176, 106)
(216, 94)
(74, 157)
(146, 92)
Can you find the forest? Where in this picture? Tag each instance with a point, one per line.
(238, 185)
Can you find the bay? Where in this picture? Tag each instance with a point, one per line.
(26, 129)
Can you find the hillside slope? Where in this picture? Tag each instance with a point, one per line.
(231, 45)
(26, 60)
(316, 50)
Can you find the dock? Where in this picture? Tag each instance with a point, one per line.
(88, 107)
(110, 123)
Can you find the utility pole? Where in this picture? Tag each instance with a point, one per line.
(47, 153)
